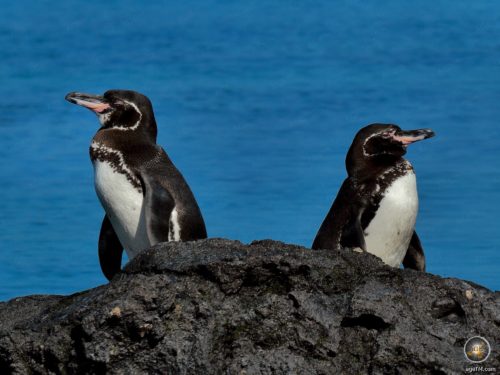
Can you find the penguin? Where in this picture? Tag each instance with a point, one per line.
(145, 198)
(376, 207)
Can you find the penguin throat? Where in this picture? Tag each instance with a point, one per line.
(116, 160)
(104, 118)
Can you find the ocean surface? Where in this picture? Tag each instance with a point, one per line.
(257, 104)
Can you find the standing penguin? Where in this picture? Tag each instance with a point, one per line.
(376, 207)
(145, 197)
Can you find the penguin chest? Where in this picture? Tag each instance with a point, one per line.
(389, 233)
(123, 203)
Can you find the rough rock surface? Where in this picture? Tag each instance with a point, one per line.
(220, 307)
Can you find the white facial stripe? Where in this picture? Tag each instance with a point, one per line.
(104, 118)
(136, 125)
(366, 141)
(389, 134)
(100, 147)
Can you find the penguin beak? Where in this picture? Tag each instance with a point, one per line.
(95, 103)
(407, 137)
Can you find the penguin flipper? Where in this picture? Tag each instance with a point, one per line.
(333, 233)
(158, 206)
(110, 250)
(415, 258)
(352, 233)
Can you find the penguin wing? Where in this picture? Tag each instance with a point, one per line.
(352, 233)
(158, 205)
(110, 250)
(342, 225)
(415, 258)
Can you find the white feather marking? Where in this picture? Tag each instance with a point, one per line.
(389, 233)
(123, 205)
(366, 141)
(174, 233)
(104, 118)
(100, 147)
(389, 134)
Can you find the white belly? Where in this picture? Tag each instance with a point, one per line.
(123, 205)
(389, 233)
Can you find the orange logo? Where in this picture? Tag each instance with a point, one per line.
(477, 349)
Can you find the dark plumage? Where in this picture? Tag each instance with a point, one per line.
(145, 197)
(377, 173)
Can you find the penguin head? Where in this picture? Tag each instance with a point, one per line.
(119, 109)
(382, 144)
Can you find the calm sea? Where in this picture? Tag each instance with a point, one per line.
(257, 103)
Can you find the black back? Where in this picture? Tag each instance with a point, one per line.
(354, 208)
(373, 162)
(127, 141)
(134, 135)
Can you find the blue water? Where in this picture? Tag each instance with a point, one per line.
(257, 103)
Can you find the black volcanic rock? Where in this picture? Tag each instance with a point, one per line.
(220, 307)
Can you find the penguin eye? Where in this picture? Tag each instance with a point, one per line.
(387, 134)
(118, 103)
